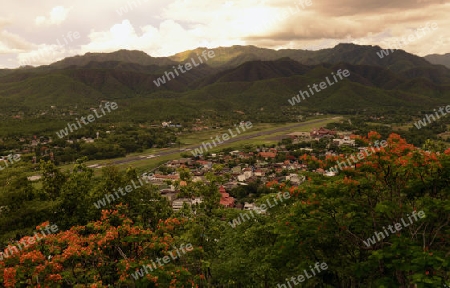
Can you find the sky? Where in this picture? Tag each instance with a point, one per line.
(45, 31)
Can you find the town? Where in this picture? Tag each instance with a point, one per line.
(240, 169)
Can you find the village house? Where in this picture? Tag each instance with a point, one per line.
(344, 141)
(169, 193)
(205, 164)
(267, 155)
(225, 198)
(295, 178)
(322, 132)
(234, 153)
(248, 172)
(259, 173)
(177, 204)
(253, 207)
(159, 178)
(241, 178)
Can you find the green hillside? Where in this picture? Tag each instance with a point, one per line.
(260, 86)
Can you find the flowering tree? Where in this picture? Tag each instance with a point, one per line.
(104, 252)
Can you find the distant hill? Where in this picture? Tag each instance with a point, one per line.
(125, 56)
(439, 59)
(259, 70)
(254, 80)
(398, 61)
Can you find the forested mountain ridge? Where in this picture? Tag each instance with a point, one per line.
(269, 76)
(439, 59)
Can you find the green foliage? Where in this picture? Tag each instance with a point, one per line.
(326, 219)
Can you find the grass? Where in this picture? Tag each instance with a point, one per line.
(199, 137)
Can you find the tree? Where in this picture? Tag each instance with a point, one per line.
(52, 179)
(74, 199)
(111, 251)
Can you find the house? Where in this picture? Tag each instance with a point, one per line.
(252, 206)
(158, 178)
(205, 164)
(345, 141)
(248, 172)
(295, 178)
(259, 173)
(249, 206)
(177, 204)
(329, 173)
(322, 132)
(225, 198)
(267, 155)
(241, 178)
(170, 195)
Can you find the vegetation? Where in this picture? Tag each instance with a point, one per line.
(326, 219)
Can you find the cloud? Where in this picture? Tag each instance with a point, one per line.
(42, 54)
(167, 39)
(9, 42)
(326, 23)
(163, 28)
(57, 16)
(119, 36)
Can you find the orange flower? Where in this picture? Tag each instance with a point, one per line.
(43, 225)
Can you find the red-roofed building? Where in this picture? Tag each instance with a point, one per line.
(322, 132)
(267, 155)
(225, 198)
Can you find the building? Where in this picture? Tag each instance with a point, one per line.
(159, 178)
(260, 173)
(345, 141)
(249, 206)
(225, 198)
(267, 155)
(322, 132)
(177, 204)
(252, 206)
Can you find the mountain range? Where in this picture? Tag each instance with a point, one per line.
(439, 59)
(254, 80)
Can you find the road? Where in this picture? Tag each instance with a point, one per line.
(232, 140)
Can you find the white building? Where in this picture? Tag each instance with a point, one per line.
(178, 203)
(345, 141)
